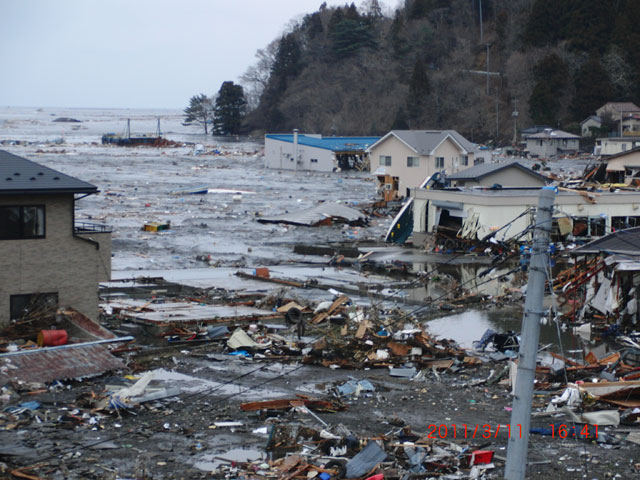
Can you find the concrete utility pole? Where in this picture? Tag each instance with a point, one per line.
(533, 312)
(488, 45)
(481, 38)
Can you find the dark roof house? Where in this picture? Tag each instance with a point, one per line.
(509, 174)
(21, 176)
(49, 261)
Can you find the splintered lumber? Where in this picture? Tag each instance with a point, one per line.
(588, 196)
(286, 403)
(289, 283)
(332, 309)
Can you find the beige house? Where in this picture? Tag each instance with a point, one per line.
(47, 260)
(403, 159)
(508, 174)
(624, 167)
(616, 109)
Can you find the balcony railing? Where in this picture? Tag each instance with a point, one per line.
(88, 227)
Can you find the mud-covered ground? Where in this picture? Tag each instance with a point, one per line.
(178, 437)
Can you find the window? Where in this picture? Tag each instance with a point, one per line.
(41, 303)
(385, 160)
(23, 221)
(314, 160)
(624, 147)
(413, 161)
(439, 162)
(465, 160)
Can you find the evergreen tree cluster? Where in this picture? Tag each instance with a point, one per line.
(449, 64)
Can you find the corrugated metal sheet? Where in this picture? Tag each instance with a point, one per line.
(58, 363)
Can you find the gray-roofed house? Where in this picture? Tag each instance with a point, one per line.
(508, 174)
(552, 142)
(403, 159)
(47, 259)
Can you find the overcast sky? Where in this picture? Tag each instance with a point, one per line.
(133, 53)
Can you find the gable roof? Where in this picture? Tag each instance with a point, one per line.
(424, 142)
(622, 242)
(335, 144)
(619, 107)
(591, 117)
(21, 176)
(483, 169)
(553, 134)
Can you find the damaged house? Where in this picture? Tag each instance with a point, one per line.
(47, 259)
(316, 153)
(623, 167)
(469, 214)
(403, 159)
(608, 277)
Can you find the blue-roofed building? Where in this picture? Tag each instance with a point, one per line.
(315, 152)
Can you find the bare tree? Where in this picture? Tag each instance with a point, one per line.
(255, 79)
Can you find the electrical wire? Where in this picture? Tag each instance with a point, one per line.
(218, 401)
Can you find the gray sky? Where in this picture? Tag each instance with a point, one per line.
(132, 53)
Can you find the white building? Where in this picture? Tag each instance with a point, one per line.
(316, 153)
(616, 145)
(474, 213)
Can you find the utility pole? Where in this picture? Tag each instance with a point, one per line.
(515, 122)
(488, 45)
(481, 37)
(533, 312)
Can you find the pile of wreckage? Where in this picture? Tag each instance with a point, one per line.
(336, 334)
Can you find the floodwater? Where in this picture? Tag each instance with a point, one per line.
(469, 326)
(210, 462)
(136, 183)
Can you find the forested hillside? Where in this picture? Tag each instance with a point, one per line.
(357, 71)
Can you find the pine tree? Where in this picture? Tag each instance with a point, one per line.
(200, 111)
(551, 78)
(419, 90)
(229, 109)
(593, 87)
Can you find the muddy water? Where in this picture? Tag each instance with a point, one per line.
(467, 327)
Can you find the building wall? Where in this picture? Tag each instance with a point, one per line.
(618, 164)
(613, 146)
(495, 211)
(548, 147)
(279, 155)
(412, 177)
(586, 126)
(509, 177)
(60, 262)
